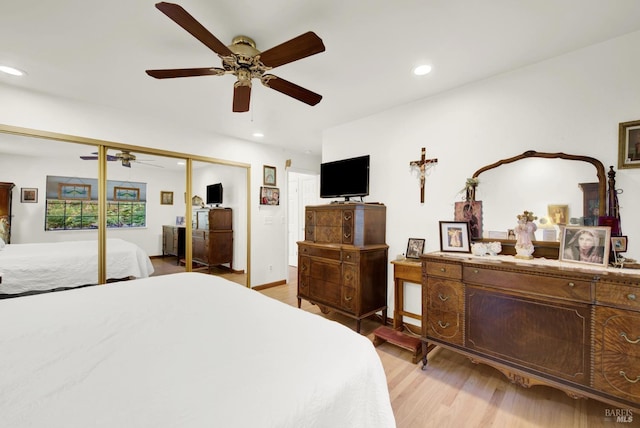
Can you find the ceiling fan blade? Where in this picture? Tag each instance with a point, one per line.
(297, 48)
(185, 72)
(241, 98)
(181, 17)
(109, 158)
(291, 89)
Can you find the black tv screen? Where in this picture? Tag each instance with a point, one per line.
(214, 194)
(345, 178)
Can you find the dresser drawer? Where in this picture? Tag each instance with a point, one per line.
(445, 270)
(618, 295)
(349, 275)
(322, 252)
(617, 331)
(619, 375)
(349, 299)
(350, 256)
(444, 295)
(552, 286)
(444, 325)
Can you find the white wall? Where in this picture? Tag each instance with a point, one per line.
(268, 232)
(571, 103)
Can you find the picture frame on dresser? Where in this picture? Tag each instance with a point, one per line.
(629, 145)
(586, 245)
(619, 244)
(454, 237)
(415, 247)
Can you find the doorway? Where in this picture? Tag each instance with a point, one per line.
(302, 191)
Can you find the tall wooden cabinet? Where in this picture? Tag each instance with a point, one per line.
(212, 239)
(342, 263)
(5, 211)
(574, 329)
(173, 241)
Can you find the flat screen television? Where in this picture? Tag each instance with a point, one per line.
(346, 178)
(214, 194)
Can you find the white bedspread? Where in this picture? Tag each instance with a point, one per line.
(180, 351)
(45, 266)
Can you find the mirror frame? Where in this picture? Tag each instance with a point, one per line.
(102, 147)
(547, 249)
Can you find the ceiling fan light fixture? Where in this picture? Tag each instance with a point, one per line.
(11, 70)
(422, 70)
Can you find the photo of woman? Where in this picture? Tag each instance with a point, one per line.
(586, 245)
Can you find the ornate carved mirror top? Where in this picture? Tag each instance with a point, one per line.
(541, 182)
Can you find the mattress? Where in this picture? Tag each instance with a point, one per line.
(51, 265)
(182, 350)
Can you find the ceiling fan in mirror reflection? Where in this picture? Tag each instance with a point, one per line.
(125, 157)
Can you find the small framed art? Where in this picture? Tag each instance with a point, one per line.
(166, 198)
(126, 194)
(415, 248)
(29, 195)
(269, 196)
(269, 175)
(587, 245)
(619, 244)
(454, 236)
(629, 145)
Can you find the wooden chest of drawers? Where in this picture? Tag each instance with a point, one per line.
(570, 328)
(342, 264)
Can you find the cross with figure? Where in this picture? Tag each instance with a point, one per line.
(422, 164)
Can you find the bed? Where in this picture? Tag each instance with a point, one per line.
(183, 350)
(51, 265)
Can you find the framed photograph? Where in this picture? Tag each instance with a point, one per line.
(74, 191)
(470, 211)
(29, 195)
(415, 247)
(587, 245)
(629, 145)
(269, 196)
(618, 244)
(126, 194)
(454, 236)
(269, 175)
(558, 214)
(166, 198)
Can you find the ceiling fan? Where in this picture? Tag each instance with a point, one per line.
(243, 60)
(125, 157)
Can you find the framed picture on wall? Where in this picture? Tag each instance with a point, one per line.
(29, 195)
(454, 237)
(629, 145)
(269, 175)
(269, 196)
(166, 198)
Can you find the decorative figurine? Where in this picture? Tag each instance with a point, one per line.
(525, 237)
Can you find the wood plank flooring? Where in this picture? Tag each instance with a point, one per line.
(454, 392)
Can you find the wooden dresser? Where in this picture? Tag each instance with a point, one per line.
(574, 329)
(5, 211)
(173, 241)
(212, 238)
(342, 263)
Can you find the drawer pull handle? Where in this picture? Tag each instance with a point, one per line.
(348, 298)
(303, 268)
(443, 325)
(443, 298)
(443, 270)
(571, 284)
(631, 296)
(624, 375)
(624, 335)
(347, 217)
(475, 271)
(348, 277)
(347, 235)
(348, 256)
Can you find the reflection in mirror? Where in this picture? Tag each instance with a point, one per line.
(219, 217)
(539, 185)
(146, 208)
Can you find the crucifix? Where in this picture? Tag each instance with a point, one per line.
(422, 164)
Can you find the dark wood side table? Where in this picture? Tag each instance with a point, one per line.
(405, 270)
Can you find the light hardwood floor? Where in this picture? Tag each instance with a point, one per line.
(454, 392)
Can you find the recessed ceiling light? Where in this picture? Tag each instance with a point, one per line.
(11, 70)
(181, 163)
(421, 70)
(258, 134)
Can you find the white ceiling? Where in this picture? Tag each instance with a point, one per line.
(97, 51)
